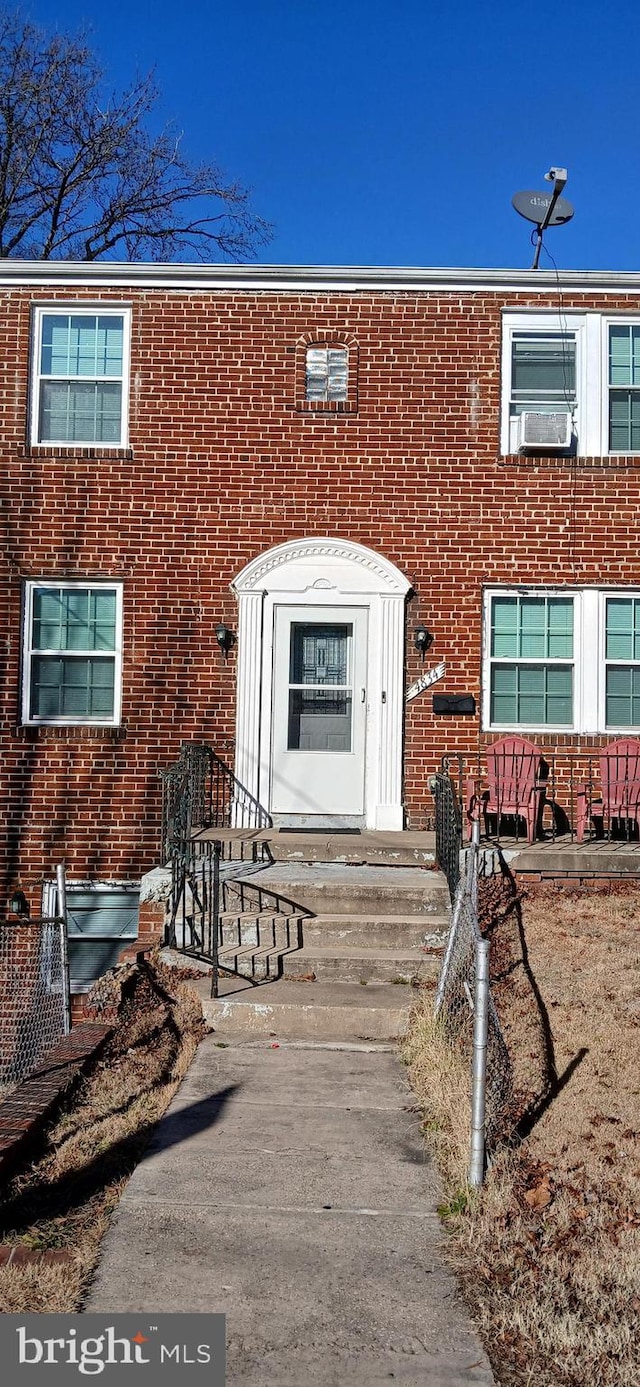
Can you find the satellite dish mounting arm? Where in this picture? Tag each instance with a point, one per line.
(558, 177)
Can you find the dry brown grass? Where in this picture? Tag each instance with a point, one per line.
(549, 1253)
(66, 1198)
(440, 1076)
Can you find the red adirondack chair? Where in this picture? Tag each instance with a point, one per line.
(620, 782)
(515, 772)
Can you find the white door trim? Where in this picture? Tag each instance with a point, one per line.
(324, 573)
(321, 786)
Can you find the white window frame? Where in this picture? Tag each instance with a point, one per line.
(28, 651)
(619, 730)
(609, 321)
(589, 662)
(592, 374)
(62, 309)
(544, 323)
(488, 661)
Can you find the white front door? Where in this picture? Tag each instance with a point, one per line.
(319, 713)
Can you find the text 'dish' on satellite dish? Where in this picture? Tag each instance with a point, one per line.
(534, 206)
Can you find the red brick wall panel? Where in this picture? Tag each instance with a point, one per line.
(221, 466)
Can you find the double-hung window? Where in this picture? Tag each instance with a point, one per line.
(543, 372)
(584, 365)
(622, 662)
(80, 375)
(543, 363)
(624, 387)
(531, 661)
(72, 655)
(562, 660)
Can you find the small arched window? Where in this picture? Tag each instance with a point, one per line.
(326, 373)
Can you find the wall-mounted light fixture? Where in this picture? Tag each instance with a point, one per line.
(18, 904)
(423, 640)
(225, 639)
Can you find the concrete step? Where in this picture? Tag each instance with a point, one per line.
(306, 1010)
(375, 931)
(412, 847)
(260, 930)
(361, 965)
(259, 963)
(336, 889)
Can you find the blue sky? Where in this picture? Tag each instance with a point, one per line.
(395, 133)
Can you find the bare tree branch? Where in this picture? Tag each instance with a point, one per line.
(82, 176)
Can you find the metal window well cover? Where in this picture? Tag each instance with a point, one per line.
(99, 922)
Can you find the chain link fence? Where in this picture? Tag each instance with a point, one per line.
(34, 994)
(467, 1011)
(464, 1002)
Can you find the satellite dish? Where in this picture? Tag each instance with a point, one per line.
(535, 206)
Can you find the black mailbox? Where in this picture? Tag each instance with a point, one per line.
(455, 705)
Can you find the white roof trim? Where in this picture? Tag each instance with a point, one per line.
(304, 278)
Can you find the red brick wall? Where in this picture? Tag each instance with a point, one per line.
(223, 464)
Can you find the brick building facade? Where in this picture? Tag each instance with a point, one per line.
(166, 429)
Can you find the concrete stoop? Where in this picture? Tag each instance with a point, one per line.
(336, 959)
(291, 1010)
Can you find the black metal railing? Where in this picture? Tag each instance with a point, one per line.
(194, 921)
(236, 926)
(201, 792)
(448, 822)
(232, 805)
(186, 797)
(201, 795)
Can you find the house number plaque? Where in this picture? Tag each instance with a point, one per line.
(424, 682)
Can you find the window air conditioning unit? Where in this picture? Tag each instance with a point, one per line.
(544, 433)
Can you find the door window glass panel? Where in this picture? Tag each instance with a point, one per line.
(319, 654)
(320, 695)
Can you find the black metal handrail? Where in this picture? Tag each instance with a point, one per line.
(186, 797)
(448, 820)
(201, 792)
(194, 922)
(232, 805)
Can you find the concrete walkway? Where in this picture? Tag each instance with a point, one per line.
(288, 1188)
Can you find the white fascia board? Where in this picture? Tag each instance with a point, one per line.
(307, 278)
